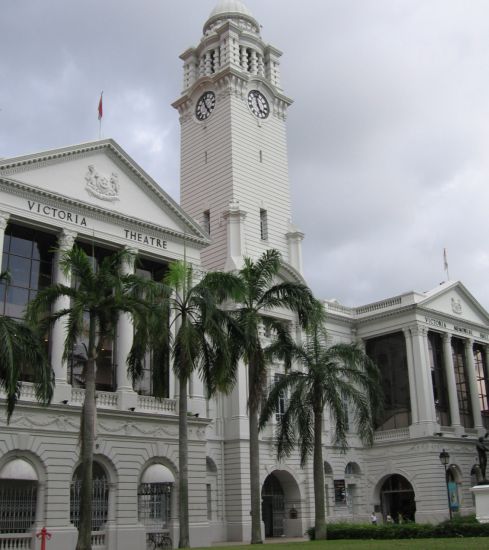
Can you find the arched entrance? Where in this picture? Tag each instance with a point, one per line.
(397, 499)
(281, 503)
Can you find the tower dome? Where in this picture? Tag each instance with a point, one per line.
(234, 10)
(226, 7)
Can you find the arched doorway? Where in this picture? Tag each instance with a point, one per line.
(273, 507)
(281, 505)
(100, 497)
(397, 499)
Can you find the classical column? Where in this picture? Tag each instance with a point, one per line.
(4, 217)
(411, 376)
(473, 387)
(451, 382)
(127, 398)
(424, 384)
(66, 240)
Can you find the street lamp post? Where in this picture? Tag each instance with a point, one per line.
(445, 460)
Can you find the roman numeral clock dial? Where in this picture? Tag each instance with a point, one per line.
(258, 104)
(205, 105)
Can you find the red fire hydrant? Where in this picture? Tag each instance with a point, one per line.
(43, 535)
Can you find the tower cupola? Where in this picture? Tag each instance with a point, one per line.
(231, 41)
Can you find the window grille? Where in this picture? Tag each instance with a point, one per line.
(263, 225)
(100, 498)
(154, 504)
(17, 505)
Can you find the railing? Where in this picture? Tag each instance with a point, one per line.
(379, 305)
(98, 540)
(17, 541)
(389, 435)
(339, 308)
(27, 393)
(149, 403)
(105, 400)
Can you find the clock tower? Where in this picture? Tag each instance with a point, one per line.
(234, 170)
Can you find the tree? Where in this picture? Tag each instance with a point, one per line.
(340, 377)
(98, 296)
(187, 324)
(22, 356)
(259, 296)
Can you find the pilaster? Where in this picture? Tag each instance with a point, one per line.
(294, 240)
(236, 247)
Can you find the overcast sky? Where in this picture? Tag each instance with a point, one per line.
(388, 135)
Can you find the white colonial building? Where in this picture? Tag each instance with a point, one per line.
(431, 347)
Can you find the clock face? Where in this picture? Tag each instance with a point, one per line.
(258, 104)
(205, 105)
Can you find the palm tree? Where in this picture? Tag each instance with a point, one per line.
(100, 294)
(22, 355)
(340, 377)
(259, 296)
(187, 323)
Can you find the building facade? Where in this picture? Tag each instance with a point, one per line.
(431, 348)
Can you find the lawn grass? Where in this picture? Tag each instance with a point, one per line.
(478, 543)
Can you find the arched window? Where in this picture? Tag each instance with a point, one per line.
(352, 469)
(100, 499)
(18, 496)
(154, 497)
(328, 471)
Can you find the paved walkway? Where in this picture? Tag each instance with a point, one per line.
(266, 541)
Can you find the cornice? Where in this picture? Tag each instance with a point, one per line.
(18, 164)
(28, 191)
(452, 318)
(226, 77)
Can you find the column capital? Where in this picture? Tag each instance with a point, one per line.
(418, 330)
(4, 218)
(447, 337)
(66, 239)
(469, 342)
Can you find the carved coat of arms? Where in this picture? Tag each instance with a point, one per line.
(102, 187)
(457, 305)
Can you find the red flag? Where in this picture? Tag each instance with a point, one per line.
(100, 107)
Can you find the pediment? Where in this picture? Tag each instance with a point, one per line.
(101, 175)
(456, 301)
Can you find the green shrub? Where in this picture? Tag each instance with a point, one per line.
(458, 527)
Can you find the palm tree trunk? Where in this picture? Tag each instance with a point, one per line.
(318, 468)
(184, 541)
(87, 436)
(254, 471)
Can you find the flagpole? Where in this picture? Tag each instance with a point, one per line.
(445, 263)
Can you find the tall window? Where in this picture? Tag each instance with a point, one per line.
(281, 401)
(482, 382)
(105, 378)
(263, 225)
(438, 378)
(206, 221)
(155, 379)
(28, 257)
(389, 354)
(463, 395)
